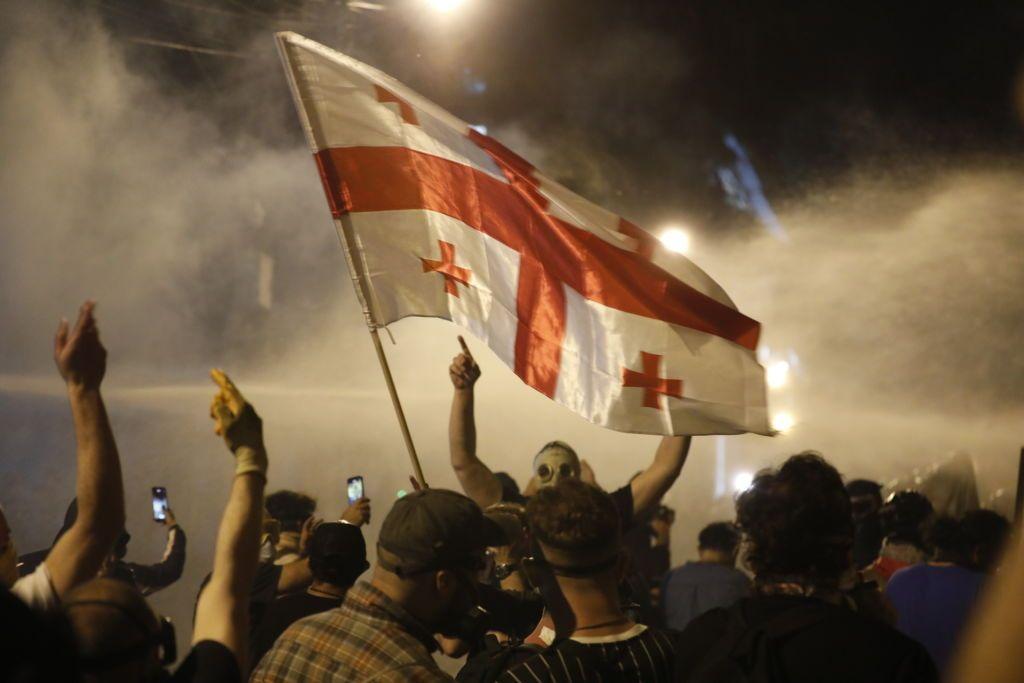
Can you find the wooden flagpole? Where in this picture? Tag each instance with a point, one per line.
(364, 290)
(365, 293)
(1019, 503)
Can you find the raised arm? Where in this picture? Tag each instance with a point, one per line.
(222, 614)
(82, 361)
(649, 486)
(154, 577)
(476, 479)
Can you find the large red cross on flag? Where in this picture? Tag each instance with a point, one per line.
(583, 305)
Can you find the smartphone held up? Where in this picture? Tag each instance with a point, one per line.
(355, 489)
(159, 504)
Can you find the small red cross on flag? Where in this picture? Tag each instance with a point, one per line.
(446, 266)
(652, 385)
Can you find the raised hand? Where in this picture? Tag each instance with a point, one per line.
(78, 353)
(306, 535)
(236, 420)
(358, 513)
(464, 372)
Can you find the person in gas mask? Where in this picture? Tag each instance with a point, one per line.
(429, 553)
(554, 462)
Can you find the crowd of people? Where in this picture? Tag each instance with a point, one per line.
(815, 579)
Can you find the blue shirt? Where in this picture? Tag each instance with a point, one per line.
(691, 590)
(933, 602)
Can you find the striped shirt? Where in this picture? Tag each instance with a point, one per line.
(640, 654)
(368, 638)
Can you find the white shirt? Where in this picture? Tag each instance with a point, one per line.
(36, 590)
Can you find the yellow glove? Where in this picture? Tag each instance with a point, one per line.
(242, 429)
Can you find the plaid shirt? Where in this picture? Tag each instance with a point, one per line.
(368, 638)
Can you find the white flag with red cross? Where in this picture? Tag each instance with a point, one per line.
(585, 307)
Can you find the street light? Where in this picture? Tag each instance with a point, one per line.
(445, 6)
(675, 239)
(783, 422)
(742, 481)
(777, 374)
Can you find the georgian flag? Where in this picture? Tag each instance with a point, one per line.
(586, 307)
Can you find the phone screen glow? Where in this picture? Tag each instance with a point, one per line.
(159, 503)
(355, 489)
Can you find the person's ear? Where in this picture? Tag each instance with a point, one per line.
(445, 583)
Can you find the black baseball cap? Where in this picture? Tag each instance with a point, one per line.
(436, 529)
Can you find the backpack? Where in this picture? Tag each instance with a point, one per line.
(749, 653)
(495, 659)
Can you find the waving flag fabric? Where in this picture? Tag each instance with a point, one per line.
(584, 306)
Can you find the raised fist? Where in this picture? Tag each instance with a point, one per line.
(78, 353)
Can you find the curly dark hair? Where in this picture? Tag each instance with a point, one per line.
(578, 521)
(797, 521)
(290, 508)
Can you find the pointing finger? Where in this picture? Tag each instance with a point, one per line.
(465, 348)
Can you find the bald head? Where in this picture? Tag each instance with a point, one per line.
(110, 618)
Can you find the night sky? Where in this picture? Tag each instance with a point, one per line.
(633, 98)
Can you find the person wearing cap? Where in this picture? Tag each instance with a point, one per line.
(554, 462)
(337, 556)
(429, 552)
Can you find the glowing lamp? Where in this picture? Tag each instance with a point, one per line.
(675, 239)
(783, 422)
(742, 481)
(777, 374)
(445, 6)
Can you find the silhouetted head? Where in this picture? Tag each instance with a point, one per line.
(290, 508)
(797, 522)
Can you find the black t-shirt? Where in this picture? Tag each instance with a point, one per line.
(841, 646)
(284, 612)
(208, 662)
(643, 655)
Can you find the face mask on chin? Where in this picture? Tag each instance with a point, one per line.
(267, 552)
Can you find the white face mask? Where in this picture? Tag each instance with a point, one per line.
(267, 551)
(554, 463)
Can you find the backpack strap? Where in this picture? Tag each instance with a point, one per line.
(747, 648)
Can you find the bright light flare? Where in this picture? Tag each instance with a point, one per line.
(741, 481)
(783, 422)
(675, 239)
(445, 6)
(777, 374)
